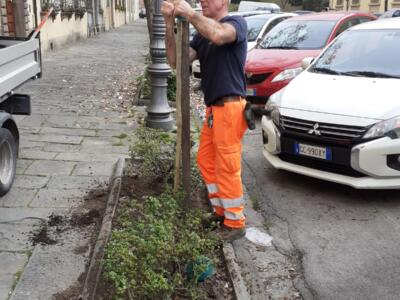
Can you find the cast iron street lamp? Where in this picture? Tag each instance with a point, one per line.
(159, 112)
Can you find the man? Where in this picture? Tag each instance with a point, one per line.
(221, 47)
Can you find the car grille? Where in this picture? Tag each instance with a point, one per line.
(335, 131)
(339, 138)
(256, 78)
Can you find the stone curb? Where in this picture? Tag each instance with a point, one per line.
(239, 287)
(95, 266)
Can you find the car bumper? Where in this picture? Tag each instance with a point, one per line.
(369, 159)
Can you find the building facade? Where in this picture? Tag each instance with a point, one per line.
(372, 6)
(70, 21)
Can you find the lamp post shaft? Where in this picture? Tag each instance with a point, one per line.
(158, 112)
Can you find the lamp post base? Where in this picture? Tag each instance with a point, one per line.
(159, 121)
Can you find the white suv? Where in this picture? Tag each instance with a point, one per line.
(339, 120)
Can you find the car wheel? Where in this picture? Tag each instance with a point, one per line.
(8, 160)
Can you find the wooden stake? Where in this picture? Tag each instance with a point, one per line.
(183, 144)
(178, 153)
(185, 112)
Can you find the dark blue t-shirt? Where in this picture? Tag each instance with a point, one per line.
(222, 67)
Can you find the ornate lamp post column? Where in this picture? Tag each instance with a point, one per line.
(158, 113)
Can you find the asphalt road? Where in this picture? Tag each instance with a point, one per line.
(347, 240)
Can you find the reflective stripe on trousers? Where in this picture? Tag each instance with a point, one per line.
(219, 159)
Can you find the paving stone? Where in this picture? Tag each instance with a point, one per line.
(108, 133)
(30, 181)
(18, 197)
(120, 149)
(48, 167)
(52, 138)
(49, 197)
(94, 169)
(55, 147)
(30, 145)
(77, 182)
(6, 283)
(60, 121)
(11, 264)
(63, 262)
(88, 157)
(68, 131)
(32, 121)
(22, 165)
(36, 154)
(32, 129)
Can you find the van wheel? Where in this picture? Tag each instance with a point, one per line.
(8, 160)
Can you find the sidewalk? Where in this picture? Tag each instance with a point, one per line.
(68, 146)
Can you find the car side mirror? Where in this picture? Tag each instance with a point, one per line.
(306, 62)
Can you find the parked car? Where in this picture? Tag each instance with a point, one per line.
(255, 5)
(391, 13)
(303, 12)
(277, 58)
(339, 120)
(259, 25)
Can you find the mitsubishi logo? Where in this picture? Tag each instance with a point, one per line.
(315, 130)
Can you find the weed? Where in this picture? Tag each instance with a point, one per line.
(118, 144)
(122, 136)
(156, 149)
(145, 82)
(255, 202)
(267, 224)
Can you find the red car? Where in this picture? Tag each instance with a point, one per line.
(277, 58)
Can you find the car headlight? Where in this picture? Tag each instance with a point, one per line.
(273, 113)
(390, 128)
(287, 74)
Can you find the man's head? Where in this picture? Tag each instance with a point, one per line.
(215, 9)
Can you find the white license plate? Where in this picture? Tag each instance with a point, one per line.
(250, 92)
(313, 151)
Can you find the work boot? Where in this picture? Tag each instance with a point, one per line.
(229, 234)
(211, 219)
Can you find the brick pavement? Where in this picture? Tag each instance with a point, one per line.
(68, 145)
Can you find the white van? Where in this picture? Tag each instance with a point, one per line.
(252, 5)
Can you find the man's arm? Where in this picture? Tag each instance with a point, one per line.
(167, 9)
(216, 32)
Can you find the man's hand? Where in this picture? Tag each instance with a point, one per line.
(167, 9)
(182, 8)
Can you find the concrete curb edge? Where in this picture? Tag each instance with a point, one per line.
(235, 276)
(95, 266)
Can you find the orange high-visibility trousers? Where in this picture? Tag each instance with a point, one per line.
(219, 160)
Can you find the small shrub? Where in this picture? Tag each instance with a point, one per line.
(149, 251)
(156, 149)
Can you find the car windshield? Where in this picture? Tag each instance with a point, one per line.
(292, 34)
(349, 55)
(254, 26)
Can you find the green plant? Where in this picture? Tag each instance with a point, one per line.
(151, 248)
(145, 84)
(255, 201)
(155, 148)
(233, 7)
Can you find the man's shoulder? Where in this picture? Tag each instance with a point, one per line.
(229, 18)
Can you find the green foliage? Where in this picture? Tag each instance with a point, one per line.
(145, 82)
(233, 7)
(147, 255)
(156, 149)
